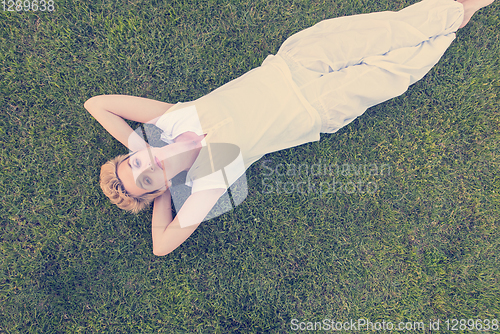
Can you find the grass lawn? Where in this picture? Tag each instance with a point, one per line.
(420, 244)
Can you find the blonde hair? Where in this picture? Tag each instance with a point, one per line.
(113, 188)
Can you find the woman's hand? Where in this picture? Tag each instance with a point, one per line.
(111, 110)
(167, 233)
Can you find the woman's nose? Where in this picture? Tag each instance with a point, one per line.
(148, 166)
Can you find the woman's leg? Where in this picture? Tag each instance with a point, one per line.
(342, 96)
(336, 43)
(363, 60)
(472, 6)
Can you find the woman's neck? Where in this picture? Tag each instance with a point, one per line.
(194, 142)
(189, 136)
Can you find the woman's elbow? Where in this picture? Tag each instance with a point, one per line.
(91, 103)
(161, 252)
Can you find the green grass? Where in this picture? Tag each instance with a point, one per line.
(424, 246)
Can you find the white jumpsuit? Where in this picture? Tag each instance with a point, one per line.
(340, 66)
(345, 65)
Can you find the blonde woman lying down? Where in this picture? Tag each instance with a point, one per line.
(320, 80)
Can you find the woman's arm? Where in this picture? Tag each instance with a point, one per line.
(111, 110)
(167, 233)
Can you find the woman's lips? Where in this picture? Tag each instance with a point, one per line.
(158, 163)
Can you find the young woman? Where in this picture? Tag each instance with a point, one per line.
(320, 80)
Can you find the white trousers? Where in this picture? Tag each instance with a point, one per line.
(345, 65)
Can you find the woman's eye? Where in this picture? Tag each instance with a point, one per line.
(137, 163)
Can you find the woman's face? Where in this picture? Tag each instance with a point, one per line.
(153, 168)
